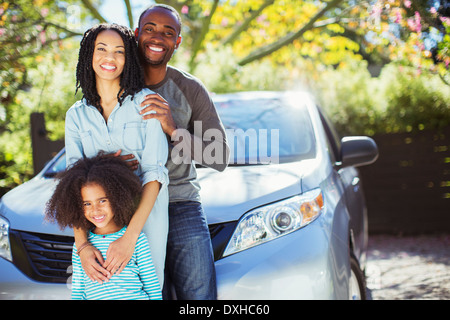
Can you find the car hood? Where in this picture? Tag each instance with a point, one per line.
(24, 207)
(227, 195)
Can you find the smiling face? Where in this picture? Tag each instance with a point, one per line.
(97, 209)
(159, 36)
(108, 60)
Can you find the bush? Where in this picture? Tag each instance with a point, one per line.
(413, 102)
(399, 100)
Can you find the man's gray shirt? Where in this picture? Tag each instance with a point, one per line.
(194, 114)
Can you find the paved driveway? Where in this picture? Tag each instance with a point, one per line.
(409, 268)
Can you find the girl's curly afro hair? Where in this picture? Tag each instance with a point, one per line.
(122, 187)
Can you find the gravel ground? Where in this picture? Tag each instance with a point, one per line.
(409, 268)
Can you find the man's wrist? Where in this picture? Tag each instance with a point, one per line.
(173, 134)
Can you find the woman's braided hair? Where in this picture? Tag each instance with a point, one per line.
(131, 80)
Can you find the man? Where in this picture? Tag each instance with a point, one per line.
(186, 114)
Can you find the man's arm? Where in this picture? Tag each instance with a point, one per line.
(206, 144)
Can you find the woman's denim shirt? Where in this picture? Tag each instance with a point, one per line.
(87, 133)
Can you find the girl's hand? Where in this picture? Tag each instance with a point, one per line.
(91, 261)
(119, 254)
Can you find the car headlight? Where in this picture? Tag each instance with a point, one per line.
(5, 249)
(275, 220)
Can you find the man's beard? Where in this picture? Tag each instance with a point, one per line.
(146, 60)
(152, 62)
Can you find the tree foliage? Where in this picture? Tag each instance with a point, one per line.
(323, 45)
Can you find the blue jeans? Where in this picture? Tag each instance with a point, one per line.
(190, 271)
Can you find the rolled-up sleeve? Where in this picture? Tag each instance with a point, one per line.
(154, 155)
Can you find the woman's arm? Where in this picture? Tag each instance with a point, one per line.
(154, 174)
(120, 251)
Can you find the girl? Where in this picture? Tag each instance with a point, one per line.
(107, 118)
(99, 194)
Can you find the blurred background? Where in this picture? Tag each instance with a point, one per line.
(378, 68)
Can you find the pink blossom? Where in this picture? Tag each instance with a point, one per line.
(42, 37)
(417, 20)
(261, 18)
(398, 17)
(407, 3)
(224, 22)
(445, 20)
(185, 9)
(2, 31)
(433, 10)
(419, 70)
(44, 12)
(411, 23)
(420, 45)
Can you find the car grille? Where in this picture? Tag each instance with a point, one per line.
(47, 257)
(42, 257)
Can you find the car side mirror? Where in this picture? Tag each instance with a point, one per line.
(358, 151)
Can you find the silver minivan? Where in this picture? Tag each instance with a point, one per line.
(287, 218)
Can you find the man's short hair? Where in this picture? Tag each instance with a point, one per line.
(164, 6)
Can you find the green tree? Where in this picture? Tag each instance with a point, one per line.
(37, 63)
(231, 45)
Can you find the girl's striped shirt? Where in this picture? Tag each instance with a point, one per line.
(137, 281)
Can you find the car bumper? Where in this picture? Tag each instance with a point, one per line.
(310, 263)
(14, 285)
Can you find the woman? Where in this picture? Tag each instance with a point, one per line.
(107, 119)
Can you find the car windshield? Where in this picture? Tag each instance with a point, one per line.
(58, 165)
(266, 130)
(259, 131)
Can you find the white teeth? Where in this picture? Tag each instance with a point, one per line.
(108, 67)
(98, 218)
(156, 49)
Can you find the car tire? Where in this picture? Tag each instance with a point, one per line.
(357, 281)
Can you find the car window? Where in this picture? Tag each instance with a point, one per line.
(333, 140)
(267, 128)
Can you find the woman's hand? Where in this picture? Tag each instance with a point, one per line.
(119, 254)
(91, 261)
